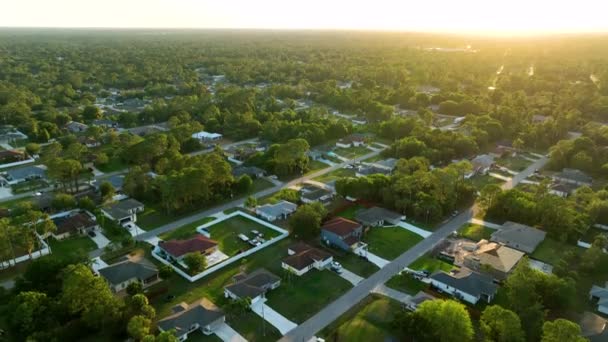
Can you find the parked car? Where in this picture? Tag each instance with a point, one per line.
(92, 234)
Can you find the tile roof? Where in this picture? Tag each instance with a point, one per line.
(341, 226)
(177, 248)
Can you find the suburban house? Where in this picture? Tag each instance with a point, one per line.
(366, 170)
(121, 274)
(11, 156)
(106, 123)
(278, 211)
(320, 152)
(493, 258)
(562, 189)
(481, 165)
(73, 223)
(573, 176)
(251, 171)
(388, 164)
(310, 193)
(253, 285)
(466, 285)
(206, 136)
(146, 130)
(519, 236)
(76, 127)
(352, 140)
(177, 249)
(303, 258)
(124, 211)
(377, 217)
(600, 296)
(24, 174)
(88, 141)
(201, 315)
(117, 182)
(342, 233)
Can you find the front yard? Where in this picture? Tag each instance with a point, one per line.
(334, 175)
(479, 181)
(514, 163)
(475, 232)
(390, 242)
(352, 152)
(406, 283)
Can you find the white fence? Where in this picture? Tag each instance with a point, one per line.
(23, 162)
(35, 255)
(229, 261)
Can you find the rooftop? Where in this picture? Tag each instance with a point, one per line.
(468, 281)
(177, 248)
(305, 256)
(253, 284)
(278, 209)
(126, 270)
(73, 222)
(26, 172)
(201, 312)
(575, 175)
(375, 214)
(519, 236)
(341, 226)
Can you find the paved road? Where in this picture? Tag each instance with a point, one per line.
(206, 213)
(341, 305)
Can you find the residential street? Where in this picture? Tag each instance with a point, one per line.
(333, 311)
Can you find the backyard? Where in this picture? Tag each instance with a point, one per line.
(352, 152)
(551, 251)
(226, 233)
(475, 232)
(406, 283)
(72, 245)
(350, 212)
(431, 264)
(390, 242)
(479, 181)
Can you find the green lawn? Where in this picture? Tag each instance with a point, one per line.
(339, 173)
(350, 212)
(431, 264)
(253, 328)
(11, 204)
(283, 194)
(479, 181)
(551, 251)
(390, 242)
(368, 321)
(69, 246)
(406, 283)
(352, 152)
(475, 232)
(115, 163)
(514, 163)
(185, 232)
(356, 264)
(301, 297)
(227, 231)
(315, 165)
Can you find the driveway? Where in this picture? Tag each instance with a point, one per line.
(274, 318)
(371, 257)
(394, 294)
(350, 277)
(100, 240)
(97, 264)
(227, 334)
(414, 229)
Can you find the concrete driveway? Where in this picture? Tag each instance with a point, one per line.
(350, 277)
(414, 229)
(100, 240)
(227, 334)
(97, 264)
(371, 257)
(274, 318)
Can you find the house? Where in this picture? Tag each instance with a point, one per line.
(72, 223)
(466, 285)
(23, 174)
(593, 327)
(124, 211)
(278, 211)
(388, 164)
(562, 189)
(352, 140)
(177, 249)
(106, 123)
(253, 285)
(310, 193)
(117, 182)
(573, 176)
(120, 275)
(76, 127)
(377, 217)
(201, 315)
(342, 233)
(481, 164)
(251, 171)
(206, 136)
(147, 130)
(366, 170)
(320, 152)
(600, 296)
(11, 156)
(519, 236)
(88, 141)
(493, 258)
(303, 258)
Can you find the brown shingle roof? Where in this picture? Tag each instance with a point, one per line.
(178, 248)
(69, 224)
(305, 256)
(341, 226)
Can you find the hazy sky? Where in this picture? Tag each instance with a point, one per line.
(520, 16)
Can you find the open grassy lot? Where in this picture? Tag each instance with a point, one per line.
(350, 212)
(315, 165)
(431, 264)
(11, 204)
(71, 245)
(479, 181)
(352, 152)
(390, 242)
(332, 176)
(283, 194)
(406, 283)
(514, 163)
(475, 232)
(551, 251)
(369, 320)
(353, 262)
(185, 232)
(301, 297)
(227, 231)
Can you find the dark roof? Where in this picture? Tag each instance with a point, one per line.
(201, 312)
(122, 209)
(317, 194)
(26, 172)
(375, 214)
(11, 153)
(71, 223)
(253, 284)
(178, 248)
(341, 226)
(575, 175)
(519, 236)
(367, 170)
(247, 170)
(305, 256)
(469, 282)
(117, 181)
(126, 270)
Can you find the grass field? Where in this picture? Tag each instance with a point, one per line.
(352, 152)
(332, 176)
(185, 232)
(406, 283)
(390, 242)
(356, 264)
(31, 185)
(368, 321)
(315, 165)
(431, 264)
(514, 163)
(227, 231)
(479, 181)
(69, 246)
(475, 232)
(551, 251)
(350, 212)
(114, 163)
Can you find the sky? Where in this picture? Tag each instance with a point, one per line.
(466, 16)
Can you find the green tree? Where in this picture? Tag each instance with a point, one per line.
(562, 330)
(32, 148)
(196, 262)
(107, 191)
(134, 288)
(305, 223)
(501, 325)
(251, 202)
(139, 327)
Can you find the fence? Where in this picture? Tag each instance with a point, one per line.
(35, 255)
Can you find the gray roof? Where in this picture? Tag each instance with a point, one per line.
(122, 209)
(375, 214)
(247, 170)
(278, 209)
(315, 195)
(76, 126)
(372, 169)
(201, 312)
(389, 163)
(123, 271)
(252, 285)
(117, 181)
(575, 175)
(26, 172)
(519, 236)
(469, 282)
(484, 160)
